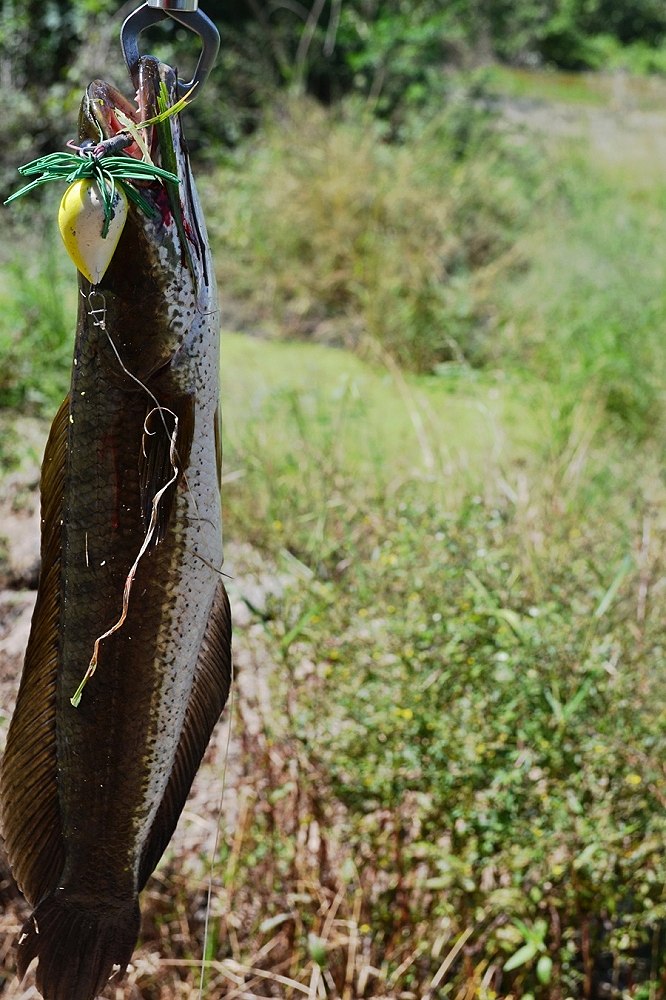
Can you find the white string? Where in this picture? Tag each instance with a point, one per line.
(211, 870)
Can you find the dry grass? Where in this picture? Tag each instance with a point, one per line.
(281, 925)
(289, 903)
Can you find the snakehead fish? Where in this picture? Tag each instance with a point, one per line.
(131, 549)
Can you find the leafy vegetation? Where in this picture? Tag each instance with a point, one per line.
(378, 247)
(459, 246)
(397, 55)
(38, 310)
(484, 761)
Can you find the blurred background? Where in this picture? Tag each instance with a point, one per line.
(439, 233)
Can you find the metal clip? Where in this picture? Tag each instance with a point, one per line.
(184, 5)
(187, 14)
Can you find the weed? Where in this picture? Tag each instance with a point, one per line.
(338, 235)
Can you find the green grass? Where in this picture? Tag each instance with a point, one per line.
(580, 89)
(474, 250)
(477, 623)
(377, 417)
(590, 312)
(568, 88)
(38, 308)
(467, 684)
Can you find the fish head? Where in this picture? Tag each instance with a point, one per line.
(159, 281)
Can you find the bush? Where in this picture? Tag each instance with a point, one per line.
(332, 233)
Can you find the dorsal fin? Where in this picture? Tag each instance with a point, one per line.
(210, 690)
(29, 808)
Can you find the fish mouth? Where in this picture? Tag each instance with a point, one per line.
(103, 105)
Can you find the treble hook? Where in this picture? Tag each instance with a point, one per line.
(186, 12)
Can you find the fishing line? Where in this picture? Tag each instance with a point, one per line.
(129, 580)
(98, 316)
(215, 569)
(101, 323)
(211, 872)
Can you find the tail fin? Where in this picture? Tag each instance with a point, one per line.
(79, 941)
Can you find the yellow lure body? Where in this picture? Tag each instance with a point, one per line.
(81, 219)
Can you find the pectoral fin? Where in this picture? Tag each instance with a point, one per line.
(210, 691)
(29, 809)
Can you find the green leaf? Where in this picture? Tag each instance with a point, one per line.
(544, 969)
(522, 956)
(611, 593)
(317, 949)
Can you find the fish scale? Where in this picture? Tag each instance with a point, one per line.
(90, 795)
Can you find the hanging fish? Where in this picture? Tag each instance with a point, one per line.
(128, 663)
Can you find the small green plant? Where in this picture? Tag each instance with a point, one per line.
(533, 948)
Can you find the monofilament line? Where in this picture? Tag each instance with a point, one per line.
(129, 580)
(211, 871)
(98, 316)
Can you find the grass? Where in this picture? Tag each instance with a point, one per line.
(599, 90)
(448, 775)
(38, 305)
(595, 283)
(568, 88)
(479, 660)
(376, 417)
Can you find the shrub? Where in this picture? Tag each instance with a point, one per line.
(334, 234)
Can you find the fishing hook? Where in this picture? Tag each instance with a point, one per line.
(187, 14)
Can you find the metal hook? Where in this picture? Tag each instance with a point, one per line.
(187, 14)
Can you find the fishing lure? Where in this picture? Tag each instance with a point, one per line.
(93, 210)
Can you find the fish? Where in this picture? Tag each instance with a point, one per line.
(132, 620)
